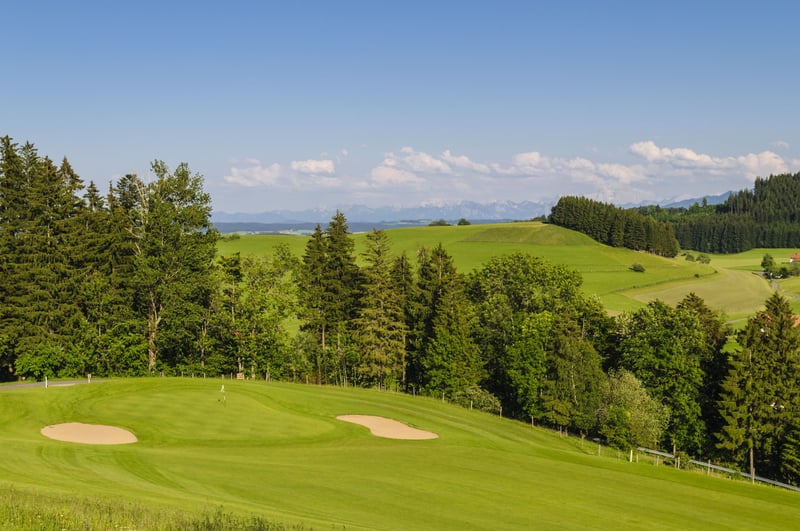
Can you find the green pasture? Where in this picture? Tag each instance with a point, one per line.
(728, 283)
(276, 450)
(751, 260)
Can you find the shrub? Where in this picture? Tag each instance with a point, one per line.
(639, 268)
(478, 398)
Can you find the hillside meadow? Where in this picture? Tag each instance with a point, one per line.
(730, 283)
(275, 453)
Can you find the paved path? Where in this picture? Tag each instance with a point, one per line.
(54, 383)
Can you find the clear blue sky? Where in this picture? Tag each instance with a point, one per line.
(292, 105)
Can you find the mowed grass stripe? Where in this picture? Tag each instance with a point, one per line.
(276, 450)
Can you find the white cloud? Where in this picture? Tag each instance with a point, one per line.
(254, 174)
(407, 176)
(389, 160)
(422, 162)
(313, 166)
(649, 151)
(762, 164)
(389, 175)
(750, 165)
(533, 162)
(462, 161)
(621, 173)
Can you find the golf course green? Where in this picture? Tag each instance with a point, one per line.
(277, 451)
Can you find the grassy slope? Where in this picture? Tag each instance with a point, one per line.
(728, 283)
(277, 450)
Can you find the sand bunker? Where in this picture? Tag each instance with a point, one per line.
(391, 429)
(88, 433)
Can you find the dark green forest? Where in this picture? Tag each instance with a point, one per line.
(615, 226)
(128, 283)
(766, 216)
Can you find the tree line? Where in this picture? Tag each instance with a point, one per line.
(128, 283)
(766, 216)
(615, 226)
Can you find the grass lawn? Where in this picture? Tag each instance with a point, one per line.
(726, 284)
(277, 451)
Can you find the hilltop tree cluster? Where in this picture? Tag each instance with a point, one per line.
(615, 226)
(127, 283)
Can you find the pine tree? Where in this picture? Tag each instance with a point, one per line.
(436, 273)
(330, 285)
(380, 327)
(39, 295)
(312, 297)
(760, 392)
(405, 287)
(12, 205)
(451, 359)
(342, 285)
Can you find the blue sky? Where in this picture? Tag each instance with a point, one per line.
(294, 105)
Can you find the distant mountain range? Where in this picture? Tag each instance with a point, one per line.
(710, 199)
(363, 218)
(507, 210)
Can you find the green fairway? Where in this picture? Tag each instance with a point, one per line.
(727, 284)
(277, 451)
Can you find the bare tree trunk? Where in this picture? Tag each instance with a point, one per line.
(153, 320)
(203, 339)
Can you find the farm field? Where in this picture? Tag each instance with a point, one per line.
(276, 450)
(729, 283)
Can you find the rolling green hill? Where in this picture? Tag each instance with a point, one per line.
(277, 451)
(728, 283)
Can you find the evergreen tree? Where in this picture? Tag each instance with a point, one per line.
(380, 327)
(313, 298)
(39, 308)
(760, 393)
(436, 274)
(123, 341)
(451, 360)
(405, 287)
(12, 206)
(330, 285)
